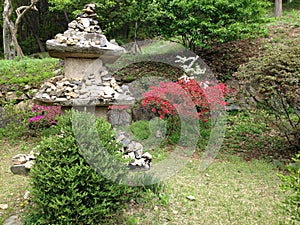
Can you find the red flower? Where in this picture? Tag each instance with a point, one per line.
(185, 98)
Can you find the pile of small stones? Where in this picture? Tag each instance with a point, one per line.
(22, 163)
(133, 151)
(104, 89)
(80, 31)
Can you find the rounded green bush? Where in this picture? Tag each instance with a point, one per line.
(65, 188)
(271, 83)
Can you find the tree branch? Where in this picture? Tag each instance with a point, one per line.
(21, 14)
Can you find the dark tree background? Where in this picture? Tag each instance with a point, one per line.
(123, 19)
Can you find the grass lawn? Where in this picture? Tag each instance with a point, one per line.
(12, 186)
(230, 191)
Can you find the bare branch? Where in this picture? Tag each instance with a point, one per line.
(25, 10)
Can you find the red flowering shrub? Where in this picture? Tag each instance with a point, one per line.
(186, 97)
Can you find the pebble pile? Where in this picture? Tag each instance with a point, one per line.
(84, 30)
(102, 88)
(22, 163)
(134, 151)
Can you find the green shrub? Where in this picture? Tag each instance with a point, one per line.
(66, 188)
(271, 83)
(14, 121)
(201, 23)
(140, 129)
(291, 184)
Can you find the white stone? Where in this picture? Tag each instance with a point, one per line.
(11, 95)
(191, 198)
(69, 89)
(3, 206)
(138, 162)
(29, 164)
(19, 159)
(72, 95)
(131, 155)
(85, 22)
(108, 91)
(26, 195)
(46, 96)
(147, 155)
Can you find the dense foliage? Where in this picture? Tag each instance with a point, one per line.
(271, 83)
(199, 23)
(291, 184)
(65, 188)
(196, 22)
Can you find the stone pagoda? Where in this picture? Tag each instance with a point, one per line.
(85, 51)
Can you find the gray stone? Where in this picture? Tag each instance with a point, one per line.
(11, 95)
(120, 137)
(106, 78)
(19, 170)
(137, 146)
(123, 99)
(119, 117)
(13, 220)
(125, 142)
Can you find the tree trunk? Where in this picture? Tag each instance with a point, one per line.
(278, 8)
(34, 30)
(13, 28)
(8, 45)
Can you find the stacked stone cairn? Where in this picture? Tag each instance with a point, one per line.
(80, 31)
(83, 41)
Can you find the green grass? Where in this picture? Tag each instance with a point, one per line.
(26, 71)
(12, 186)
(230, 191)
